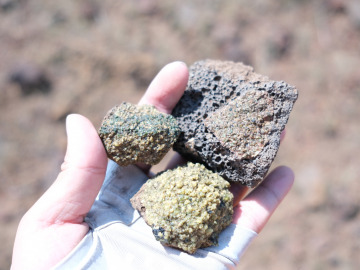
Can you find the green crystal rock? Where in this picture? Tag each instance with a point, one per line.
(137, 133)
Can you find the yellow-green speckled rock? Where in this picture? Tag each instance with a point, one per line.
(137, 133)
(186, 207)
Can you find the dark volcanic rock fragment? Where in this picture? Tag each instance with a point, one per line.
(132, 134)
(31, 79)
(231, 119)
(187, 207)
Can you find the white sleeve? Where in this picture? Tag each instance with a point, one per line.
(120, 239)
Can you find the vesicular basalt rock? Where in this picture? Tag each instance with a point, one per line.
(132, 133)
(231, 119)
(186, 207)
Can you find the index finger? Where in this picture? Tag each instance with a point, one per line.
(167, 87)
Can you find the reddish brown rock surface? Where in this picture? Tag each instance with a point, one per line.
(231, 119)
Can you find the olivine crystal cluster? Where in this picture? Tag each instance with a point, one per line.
(132, 134)
(186, 207)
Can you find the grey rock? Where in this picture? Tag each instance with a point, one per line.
(231, 119)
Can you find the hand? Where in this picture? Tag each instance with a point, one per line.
(55, 225)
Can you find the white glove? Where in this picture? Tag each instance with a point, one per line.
(120, 239)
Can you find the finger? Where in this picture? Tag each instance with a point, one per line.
(59, 214)
(167, 87)
(282, 135)
(175, 161)
(83, 171)
(239, 191)
(255, 210)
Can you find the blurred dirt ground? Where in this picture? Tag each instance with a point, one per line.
(61, 57)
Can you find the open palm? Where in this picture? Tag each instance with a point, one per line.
(55, 225)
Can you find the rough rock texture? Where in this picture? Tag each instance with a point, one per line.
(231, 119)
(186, 207)
(132, 133)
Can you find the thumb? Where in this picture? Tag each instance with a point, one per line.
(54, 225)
(71, 196)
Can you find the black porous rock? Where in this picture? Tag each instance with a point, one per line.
(231, 119)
